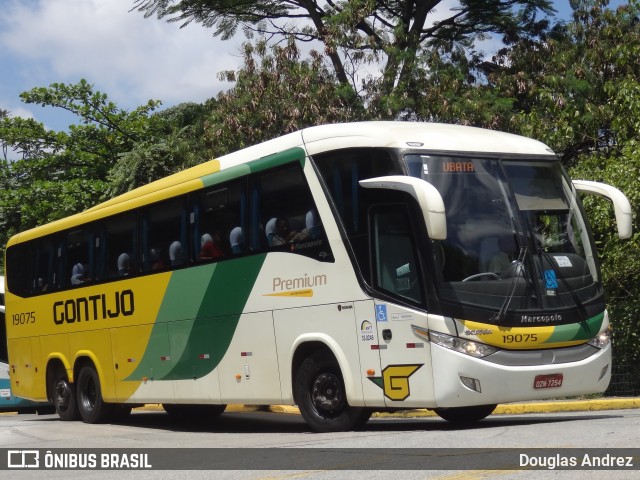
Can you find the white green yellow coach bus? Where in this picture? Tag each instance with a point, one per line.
(345, 269)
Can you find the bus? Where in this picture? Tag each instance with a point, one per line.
(8, 402)
(345, 269)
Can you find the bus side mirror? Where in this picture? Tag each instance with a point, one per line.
(621, 205)
(427, 196)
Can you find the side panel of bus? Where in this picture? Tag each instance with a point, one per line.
(8, 401)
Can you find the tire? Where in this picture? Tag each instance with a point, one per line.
(64, 398)
(465, 415)
(320, 393)
(193, 412)
(92, 408)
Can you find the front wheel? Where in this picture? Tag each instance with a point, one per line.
(464, 415)
(321, 396)
(92, 408)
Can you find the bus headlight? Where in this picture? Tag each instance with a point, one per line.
(601, 340)
(457, 344)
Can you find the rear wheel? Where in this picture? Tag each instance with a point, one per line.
(92, 408)
(321, 396)
(64, 398)
(464, 415)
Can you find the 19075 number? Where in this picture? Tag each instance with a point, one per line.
(520, 338)
(24, 318)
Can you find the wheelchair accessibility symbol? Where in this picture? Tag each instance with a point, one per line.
(550, 279)
(381, 313)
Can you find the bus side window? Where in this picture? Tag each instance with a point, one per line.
(78, 257)
(216, 213)
(341, 170)
(288, 218)
(19, 269)
(44, 267)
(394, 253)
(117, 247)
(164, 235)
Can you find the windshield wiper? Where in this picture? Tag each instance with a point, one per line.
(519, 267)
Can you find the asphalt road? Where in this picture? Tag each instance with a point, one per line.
(268, 445)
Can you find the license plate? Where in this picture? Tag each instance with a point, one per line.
(548, 381)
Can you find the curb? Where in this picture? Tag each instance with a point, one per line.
(504, 409)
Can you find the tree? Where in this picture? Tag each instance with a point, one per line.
(561, 85)
(276, 93)
(25, 137)
(178, 142)
(395, 35)
(46, 175)
(105, 131)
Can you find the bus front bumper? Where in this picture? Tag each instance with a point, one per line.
(461, 380)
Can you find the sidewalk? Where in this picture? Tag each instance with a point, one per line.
(613, 403)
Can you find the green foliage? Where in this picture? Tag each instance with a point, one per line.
(26, 137)
(276, 93)
(105, 130)
(177, 142)
(396, 36)
(46, 175)
(561, 85)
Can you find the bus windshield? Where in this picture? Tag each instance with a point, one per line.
(517, 244)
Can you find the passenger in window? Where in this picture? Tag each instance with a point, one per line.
(312, 228)
(236, 238)
(176, 254)
(211, 248)
(79, 274)
(156, 261)
(124, 265)
(278, 232)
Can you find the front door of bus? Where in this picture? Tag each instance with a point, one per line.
(405, 359)
(405, 376)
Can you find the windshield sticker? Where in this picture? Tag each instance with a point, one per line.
(563, 261)
(550, 279)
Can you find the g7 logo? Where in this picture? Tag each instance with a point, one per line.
(395, 381)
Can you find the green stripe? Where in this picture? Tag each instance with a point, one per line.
(225, 175)
(264, 163)
(585, 330)
(277, 159)
(197, 319)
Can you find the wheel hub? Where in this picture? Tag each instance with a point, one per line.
(326, 393)
(62, 395)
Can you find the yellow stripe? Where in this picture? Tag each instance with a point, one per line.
(295, 293)
(514, 338)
